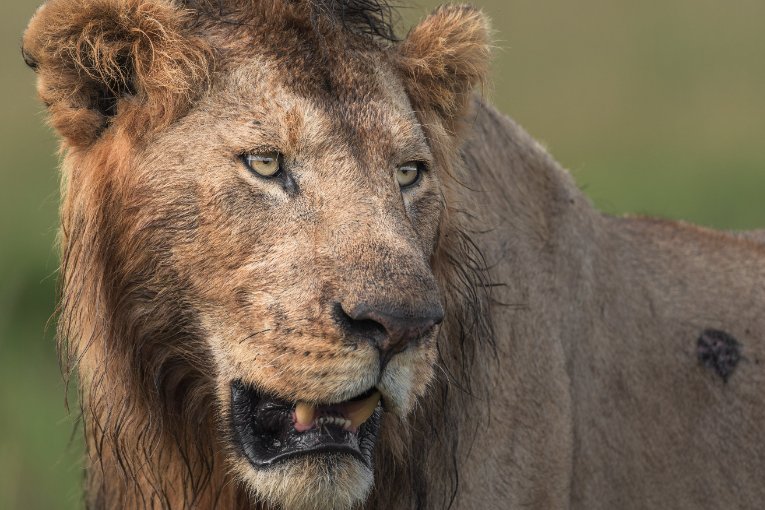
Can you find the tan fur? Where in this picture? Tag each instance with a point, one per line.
(565, 372)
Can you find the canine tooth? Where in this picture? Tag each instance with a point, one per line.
(360, 414)
(304, 414)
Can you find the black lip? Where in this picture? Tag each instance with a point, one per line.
(264, 431)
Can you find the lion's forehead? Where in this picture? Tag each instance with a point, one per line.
(253, 106)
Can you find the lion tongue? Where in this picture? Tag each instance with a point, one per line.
(357, 411)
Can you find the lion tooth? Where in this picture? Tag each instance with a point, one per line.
(362, 413)
(304, 414)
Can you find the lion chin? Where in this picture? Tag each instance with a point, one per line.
(312, 482)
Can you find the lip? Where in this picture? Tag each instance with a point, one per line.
(264, 430)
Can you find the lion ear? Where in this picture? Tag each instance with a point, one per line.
(102, 61)
(445, 57)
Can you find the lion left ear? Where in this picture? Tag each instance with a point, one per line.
(444, 58)
(102, 60)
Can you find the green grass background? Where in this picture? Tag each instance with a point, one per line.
(657, 107)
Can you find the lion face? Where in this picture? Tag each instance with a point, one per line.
(253, 216)
(307, 264)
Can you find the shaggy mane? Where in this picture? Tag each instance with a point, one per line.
(146, 376)
(372, 18)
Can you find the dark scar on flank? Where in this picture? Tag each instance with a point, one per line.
(719, 351)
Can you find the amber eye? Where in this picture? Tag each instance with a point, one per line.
(266, 164)
(409, 173)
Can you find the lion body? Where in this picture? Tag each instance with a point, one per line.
(583, 361)
(600, 400)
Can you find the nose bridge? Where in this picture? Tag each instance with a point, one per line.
(372, 226)
(382, 287)
(377, 255)
(381, 246)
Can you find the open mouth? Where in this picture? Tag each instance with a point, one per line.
(270, 430)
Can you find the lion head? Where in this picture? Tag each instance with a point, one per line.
(264, 279)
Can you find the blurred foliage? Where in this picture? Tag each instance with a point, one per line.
(655, 106)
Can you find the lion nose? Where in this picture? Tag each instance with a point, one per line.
(391, 329)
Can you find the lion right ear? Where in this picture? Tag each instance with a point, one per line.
(444, 58)
(110, 61)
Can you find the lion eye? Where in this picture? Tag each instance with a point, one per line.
(409, 173)
(267, 164)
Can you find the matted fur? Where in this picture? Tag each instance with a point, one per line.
(564, 374)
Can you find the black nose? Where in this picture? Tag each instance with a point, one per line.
(392, 329)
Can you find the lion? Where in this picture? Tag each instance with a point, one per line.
(305, 266)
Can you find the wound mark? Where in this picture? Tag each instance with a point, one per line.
(719, 351)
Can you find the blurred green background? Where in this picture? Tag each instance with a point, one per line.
(657, 107)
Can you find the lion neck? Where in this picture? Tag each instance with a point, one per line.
(537, 238)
